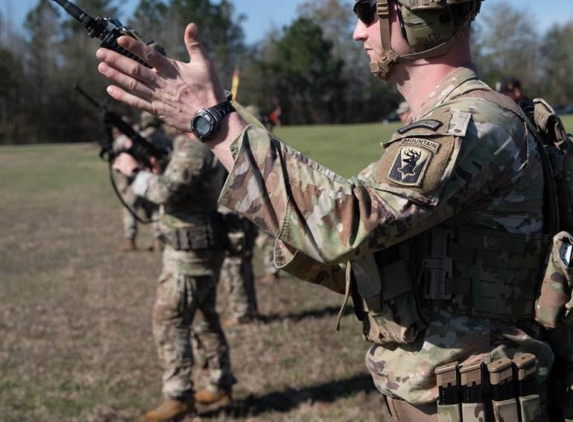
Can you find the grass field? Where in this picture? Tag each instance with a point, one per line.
(75, 334)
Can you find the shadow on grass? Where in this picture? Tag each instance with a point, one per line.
(287, 400)
(315, 313)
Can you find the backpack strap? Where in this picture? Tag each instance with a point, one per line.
(545, 128)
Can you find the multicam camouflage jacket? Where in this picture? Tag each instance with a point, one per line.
(466, 165)
(187, 192)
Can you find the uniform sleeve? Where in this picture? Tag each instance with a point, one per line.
(430, 170)
(188, 164)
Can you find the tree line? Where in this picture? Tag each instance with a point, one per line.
(311, 67)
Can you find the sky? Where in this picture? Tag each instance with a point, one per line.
(263, 16)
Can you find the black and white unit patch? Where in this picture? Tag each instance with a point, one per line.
(412, 161)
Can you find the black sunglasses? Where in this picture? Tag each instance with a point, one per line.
(365, 10)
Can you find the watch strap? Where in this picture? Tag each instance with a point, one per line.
(223, 108)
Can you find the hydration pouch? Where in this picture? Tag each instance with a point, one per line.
(393, 314)
(554, 303)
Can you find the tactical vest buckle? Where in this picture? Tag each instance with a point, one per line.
(438, 273)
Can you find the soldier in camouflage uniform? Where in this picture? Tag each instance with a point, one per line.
(237, 271)
(192, 229)
(266, 245)
(440, 242)
(150, 126)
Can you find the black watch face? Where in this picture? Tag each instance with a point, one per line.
(206, 121)
(202, 126)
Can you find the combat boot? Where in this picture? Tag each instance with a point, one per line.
(170, 411)
(233, 321)
(128, 245)
(221, 396)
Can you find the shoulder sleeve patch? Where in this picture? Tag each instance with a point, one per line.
(417, 167)
(430, 124)
(412, 161)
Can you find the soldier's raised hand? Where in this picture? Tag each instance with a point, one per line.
(172, 90)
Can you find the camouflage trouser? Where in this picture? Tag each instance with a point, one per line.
(179, 296)
(266, 244)
(130, 228)
(238, 278)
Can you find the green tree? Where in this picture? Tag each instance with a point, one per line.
(13, 84)
(306, 74)
(557, 65)
(364, 98)
(43, 59)
(43, 49)
(11, 88)
(257, 82)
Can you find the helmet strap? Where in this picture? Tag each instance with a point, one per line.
(383, 66)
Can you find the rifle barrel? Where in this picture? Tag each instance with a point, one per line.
(89, 97)
(73, 10)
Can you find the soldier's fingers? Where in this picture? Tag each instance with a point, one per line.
(148, 54)
(127, 66)
(130, 99)
(129, 82)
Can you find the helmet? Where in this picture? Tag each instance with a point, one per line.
(147, 119)
(431, 28)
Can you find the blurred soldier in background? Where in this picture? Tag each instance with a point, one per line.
(403, 112)
(274, 117)
(511, 87)
(135, 203)
(192, 229)
(237, 271)
(266, 244)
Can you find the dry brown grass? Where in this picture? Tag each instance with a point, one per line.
(75, 334)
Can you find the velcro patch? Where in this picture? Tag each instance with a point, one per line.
(421, 124)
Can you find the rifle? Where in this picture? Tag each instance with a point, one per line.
(108, 30)
(141, 149)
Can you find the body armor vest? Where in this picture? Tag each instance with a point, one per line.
(470, 271)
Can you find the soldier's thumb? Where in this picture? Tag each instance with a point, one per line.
(193, 43)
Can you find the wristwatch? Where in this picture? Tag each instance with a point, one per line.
(207, 120)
